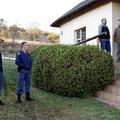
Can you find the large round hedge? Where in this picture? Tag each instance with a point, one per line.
(72, 70)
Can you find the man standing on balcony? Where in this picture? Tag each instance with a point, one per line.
(116, 39)
(104, 37)
(1, 76)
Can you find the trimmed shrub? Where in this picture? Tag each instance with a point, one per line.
(72, 70)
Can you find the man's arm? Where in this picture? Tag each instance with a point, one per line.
(100, 30)
(18, 60)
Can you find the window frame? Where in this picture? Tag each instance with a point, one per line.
(81, 36)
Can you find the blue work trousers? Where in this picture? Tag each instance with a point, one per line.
(23, 78)
(105, 45)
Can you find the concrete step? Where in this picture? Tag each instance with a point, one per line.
(117, 71)
(116, 105)
(113, 88)
(109, 96)
(117, 76)
(116, 83)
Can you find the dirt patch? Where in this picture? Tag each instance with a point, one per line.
(36, 110)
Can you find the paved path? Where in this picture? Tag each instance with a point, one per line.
(8, 58)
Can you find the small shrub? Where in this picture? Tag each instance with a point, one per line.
(72, 70)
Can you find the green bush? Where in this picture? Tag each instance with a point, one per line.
(72, 70)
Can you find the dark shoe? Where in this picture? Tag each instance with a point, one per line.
(1, 103)
(18, 99)
(28, 98)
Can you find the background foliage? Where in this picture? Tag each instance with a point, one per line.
(32, 33)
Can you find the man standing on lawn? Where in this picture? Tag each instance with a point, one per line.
(1, 75)
(24, 63)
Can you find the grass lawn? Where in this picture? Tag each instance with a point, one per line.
(48, 106)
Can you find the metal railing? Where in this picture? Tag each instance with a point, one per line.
(89, 39)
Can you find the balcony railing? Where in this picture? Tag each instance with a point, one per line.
(89, 39)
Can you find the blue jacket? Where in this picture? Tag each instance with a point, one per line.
(1, 68)
(23, 61)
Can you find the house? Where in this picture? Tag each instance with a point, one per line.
(82, 21)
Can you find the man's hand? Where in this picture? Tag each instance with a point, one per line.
(105, 33)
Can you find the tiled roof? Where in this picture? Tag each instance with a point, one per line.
(74, 11)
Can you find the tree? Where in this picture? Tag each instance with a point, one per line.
(2, 23)
(14, 31)
(3, 28)
(54, 38)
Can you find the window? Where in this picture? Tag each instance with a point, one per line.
(80, 35)
(61, 32)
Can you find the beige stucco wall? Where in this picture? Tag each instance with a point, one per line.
(91, 20)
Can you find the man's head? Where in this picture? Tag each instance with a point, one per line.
(24, 46)
(104, 21)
